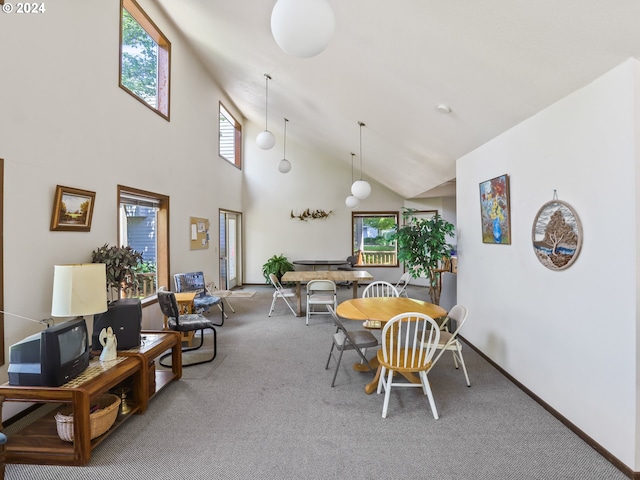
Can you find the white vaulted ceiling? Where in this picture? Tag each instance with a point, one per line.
(391, 62)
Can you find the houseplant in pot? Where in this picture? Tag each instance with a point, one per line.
(278, 265)
(121, 265)
(422, 245)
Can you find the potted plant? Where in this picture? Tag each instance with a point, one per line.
(422, 245)
(121, 266)
(278, 265)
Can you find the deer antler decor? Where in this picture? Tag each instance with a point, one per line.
(313, 214)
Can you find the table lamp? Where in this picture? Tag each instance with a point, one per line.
(79, 289)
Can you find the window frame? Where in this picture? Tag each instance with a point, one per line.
(237, 161)
(164, 58)
(162, 231)
(375, 213)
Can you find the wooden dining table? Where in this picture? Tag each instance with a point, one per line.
(300, 276)
(374, 312)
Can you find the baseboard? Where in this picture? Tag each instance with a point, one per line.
(586, 438)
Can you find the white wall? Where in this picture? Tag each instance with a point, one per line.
(65, 121)
(569, 336)
(314, 182)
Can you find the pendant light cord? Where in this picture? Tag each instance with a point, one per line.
(361, 125)
(266, 101)
(284, 153)
(352, 155)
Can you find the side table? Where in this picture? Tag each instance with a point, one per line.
(185, 305)
(39, 443)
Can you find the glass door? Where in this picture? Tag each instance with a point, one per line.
(230, 260)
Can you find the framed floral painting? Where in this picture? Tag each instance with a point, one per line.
(495, 212)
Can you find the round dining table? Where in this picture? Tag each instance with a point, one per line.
(374, 312)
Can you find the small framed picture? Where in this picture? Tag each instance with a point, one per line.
(72, 209)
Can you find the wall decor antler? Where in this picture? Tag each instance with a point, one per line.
(311, 214)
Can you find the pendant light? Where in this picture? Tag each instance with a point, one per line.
(284, 166)
(351, 201)
(266, 139)
(302, 28)
(361, 188)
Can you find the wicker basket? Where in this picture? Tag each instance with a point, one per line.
(100, 421)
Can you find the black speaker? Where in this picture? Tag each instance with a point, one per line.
(124, 316)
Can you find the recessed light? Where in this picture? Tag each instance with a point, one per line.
(442, 108)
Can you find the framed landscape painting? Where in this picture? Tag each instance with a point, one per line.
(495, 212)
(72, 210)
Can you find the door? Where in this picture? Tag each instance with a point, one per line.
(230, 259)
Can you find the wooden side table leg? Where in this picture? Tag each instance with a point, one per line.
(81, 427)
(299, 298)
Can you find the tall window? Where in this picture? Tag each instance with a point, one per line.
(144, 226)
(372, 242)
(230, 138)
(144, 58)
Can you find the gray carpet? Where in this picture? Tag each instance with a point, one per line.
(264, 409)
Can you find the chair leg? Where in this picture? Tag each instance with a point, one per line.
(335, 374)
(464, 367)
(426, 387)
(273, 303)
(387, 393)
(290, 306)
(229, 305)
(222, 314)
(333, 344)
(383, 371)
(215, 351)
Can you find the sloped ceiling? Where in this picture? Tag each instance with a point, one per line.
(390, 63)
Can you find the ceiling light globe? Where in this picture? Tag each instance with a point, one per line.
(352, 202)
(266, 140)
(361, 189)
(302, 28)
(284, 166)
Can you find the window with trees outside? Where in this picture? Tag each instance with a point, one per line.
(144, 58)
(143, 224)
(372, 243)
(230, 137)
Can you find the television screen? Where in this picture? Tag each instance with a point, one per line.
(72, 344)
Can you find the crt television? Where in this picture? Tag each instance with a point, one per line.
(52, 357)
(124, 316)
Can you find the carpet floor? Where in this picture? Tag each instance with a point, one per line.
(264, 409)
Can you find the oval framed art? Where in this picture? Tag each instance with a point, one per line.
(556, 235)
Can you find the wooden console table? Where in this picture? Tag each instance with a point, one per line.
(39, 443)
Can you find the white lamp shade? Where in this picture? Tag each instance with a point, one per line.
(284, 166)
(79, 290)
(361, 189)
(302, 28)
(352, 202)
(266, 140)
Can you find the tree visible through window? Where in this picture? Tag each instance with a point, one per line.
(144, 58)
(372, 238)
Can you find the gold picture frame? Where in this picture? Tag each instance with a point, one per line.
(72, 209)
